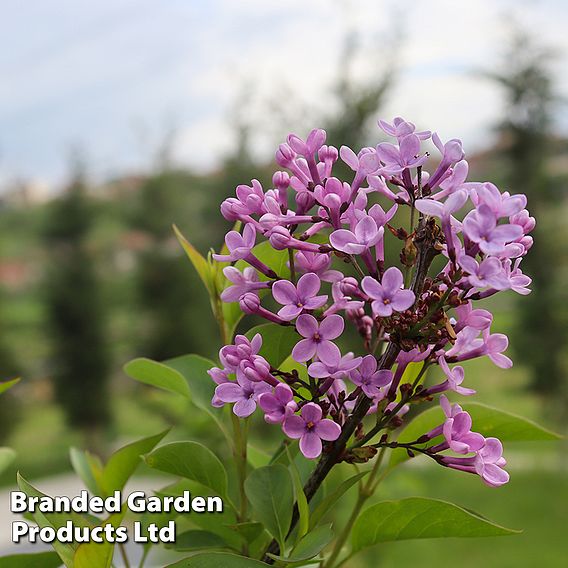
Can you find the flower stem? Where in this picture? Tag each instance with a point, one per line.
(364, 493)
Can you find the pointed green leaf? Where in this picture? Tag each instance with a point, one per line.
(217, 560)
(271, 493)
(302, 502)
(197, 540)
(199, 262)
(158, 375)
(123, 463)
(330, 500)
(277, 341)
(309, 547)
(193, 369)
(4, 386)
(250, 531)
(88, 467)
(416, 518)
(192, 461)
(33, 560)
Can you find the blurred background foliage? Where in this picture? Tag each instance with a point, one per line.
(95, 276)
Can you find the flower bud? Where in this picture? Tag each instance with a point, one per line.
(284, 155)
(249, 303)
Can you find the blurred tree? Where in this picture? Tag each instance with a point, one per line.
(9, 369)
(177, 317)
(75, 313)
(541, 331)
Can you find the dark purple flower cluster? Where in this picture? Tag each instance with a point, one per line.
(429, 319)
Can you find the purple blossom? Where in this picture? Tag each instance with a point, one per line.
(398, 158)
(319, 263)
(388, 295)
(317, 336)
(333, 365)
(371, 381)
(243, 393)
(365, 235)
(489, 463)
(488, 272)
(243, 282)
(501, 204)
(456, 430)
(311, 429)
(243, 349)
(454, 378)
(480, 226)
(401, 128)
(278, 405)
(239, 246)
(299, 298)
(469, 317)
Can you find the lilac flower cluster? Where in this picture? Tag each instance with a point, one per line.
(424, 319)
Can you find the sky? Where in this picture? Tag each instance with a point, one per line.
(117, 78)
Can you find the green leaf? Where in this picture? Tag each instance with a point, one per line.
(277, 341)
(303, 508)
(416, 518)
(35, 560)
(250, 531)
(88, 467)
(197, 540)
(275, 259)
(4, 386)
(193, 369)
(157, 375)
(55, 520)
(332, 498)
(271, 493)
(487, 421)
(310, 546)
(217, 560)
(199, 262)
(7, 456)
(123, 463)
(192, 461)
(94, 554)
(508, 427)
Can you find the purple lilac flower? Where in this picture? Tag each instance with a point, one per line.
(243, 349)
(488, 272)
(319, 263)
(243, 282)
(243, 393)
(401, 128)
(501, 204)
(456, 430)
(469, 317)
(278, 405)
(388, 296)
(365, 235)
(480, 226)
(488, 463)
(239, 246)
(333, 365)
(454, 378)
(371, 381)
(311, 429)
(317, 336)
(299, 298)
(250, 304)
(398, 158)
